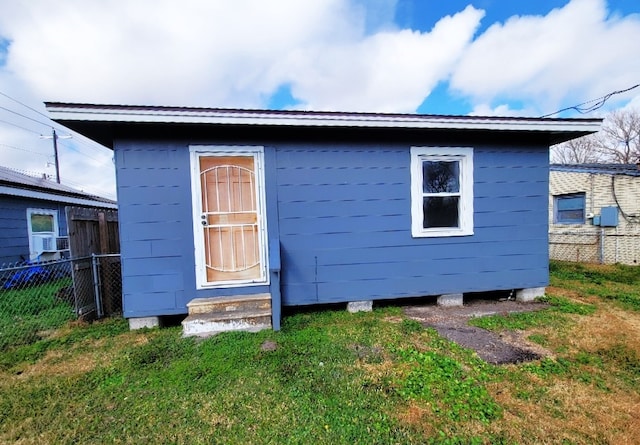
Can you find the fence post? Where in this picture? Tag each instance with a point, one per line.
(96, 284)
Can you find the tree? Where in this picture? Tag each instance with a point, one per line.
(583, 150)
(618, 142)
(620, 137)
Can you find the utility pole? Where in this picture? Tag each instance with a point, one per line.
(55, 153)
(55, 138)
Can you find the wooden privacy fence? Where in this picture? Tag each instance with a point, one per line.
(94, 231)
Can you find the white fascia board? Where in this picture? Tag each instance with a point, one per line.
(4, 190)
(70, 112)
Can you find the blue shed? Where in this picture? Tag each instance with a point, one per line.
(224, 208)
(33, 224)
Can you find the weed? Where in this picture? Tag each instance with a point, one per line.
(626, 300)
(548, 367)
(622, 360)
(452, 392)
(566, 306)
(552, 317)
(410, 326)
(519, 321)
(541, 339)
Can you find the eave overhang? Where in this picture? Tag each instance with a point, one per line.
(94, 121)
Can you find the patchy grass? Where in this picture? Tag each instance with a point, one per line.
(554, 317)
(29, 314)
(339, 378)
(618, 283)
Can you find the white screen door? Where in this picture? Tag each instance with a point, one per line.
(230, 220)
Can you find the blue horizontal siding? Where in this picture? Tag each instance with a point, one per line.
(356, 191)
(342, 213)
(154, 195)
(504, 188)
(456, 264)
(400, 287)
(343, 207)
(409, 254)
(14, 240)
(346, 229)
(138, 195)
(156, 229)
(141, 304)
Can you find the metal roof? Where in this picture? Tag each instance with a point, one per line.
(94, 117)
(18, 184)
(601, 169)
(126, 113)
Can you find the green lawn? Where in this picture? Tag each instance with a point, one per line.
(29, 314)
(339, 378)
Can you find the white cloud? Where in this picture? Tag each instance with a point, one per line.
(195, 52)
(634, 102)
(224, 53)
(569, 55)
(485, 109)
(389, 71)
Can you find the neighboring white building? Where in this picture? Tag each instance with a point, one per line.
(594, 213)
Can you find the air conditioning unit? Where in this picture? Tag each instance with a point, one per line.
(62, 243)
(44, 243)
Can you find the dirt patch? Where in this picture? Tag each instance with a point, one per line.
(452, 324)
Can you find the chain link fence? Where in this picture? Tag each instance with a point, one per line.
(576, 246)
(37, 298)
(595, 246)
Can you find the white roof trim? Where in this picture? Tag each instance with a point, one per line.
(4, 190)
(106, 113)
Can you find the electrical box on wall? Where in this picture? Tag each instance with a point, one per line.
(609, 217)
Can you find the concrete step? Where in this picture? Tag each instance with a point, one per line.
(229, 304)
(209, 316)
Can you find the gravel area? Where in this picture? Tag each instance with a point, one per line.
(452, 324)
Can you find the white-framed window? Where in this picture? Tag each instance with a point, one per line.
(441, 191)
(42, 227)
(569, 208)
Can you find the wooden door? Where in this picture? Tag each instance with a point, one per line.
(230, 219)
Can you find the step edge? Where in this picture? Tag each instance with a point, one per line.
(232, 315)
(228, 299)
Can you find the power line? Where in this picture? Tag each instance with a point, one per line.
(597, 103)
(23, 149)
(92, 144)
(24, 105)
(18, 126)
(85, 141)
(51, 126)
(26, 117)
(72, 148)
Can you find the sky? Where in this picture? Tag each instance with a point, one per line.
(474, 57)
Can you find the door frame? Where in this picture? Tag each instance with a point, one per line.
(257, 152)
